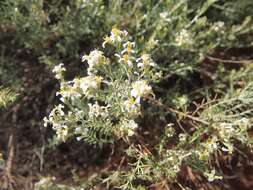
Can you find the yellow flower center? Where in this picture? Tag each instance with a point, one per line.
(115, 31)
(132, 101)
(98, 79)
(107, 39)
(129, 47)
(125, 57)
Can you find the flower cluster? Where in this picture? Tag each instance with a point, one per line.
(116, 37)
(95, 59)
(85, 86)
(107, 101)
(139, 89)
(95, 110)
(131, 106)
(145, 61)
(128, 127)
(218, 26)
(55, 119)
(184, 38)
(68, 91)
(89, 84)
(58, 70)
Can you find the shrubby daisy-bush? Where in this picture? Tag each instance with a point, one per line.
(109, 97)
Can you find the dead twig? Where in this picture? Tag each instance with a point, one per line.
(179, 113)
(244, 62)
(7, 181)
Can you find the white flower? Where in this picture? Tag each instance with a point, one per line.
(62, 132)
(170, 131)
(226, 130)
(59, 108)
(145, 60)
(88, 84)
(79, 138)
(165, 16)
(85, 3)
(81, 131)
(95, 110)
(131, 106)
(183, 37)
(128, 127)
(58, 70)
(129, 47)
(57, 111)
(182, 137)
(176, 168)
(46, 121)
(218, 26)
(94, 59)
(68, 92)
(54, 118)
(78, 129)
(116, 36)
(140, 89)
(125, 58)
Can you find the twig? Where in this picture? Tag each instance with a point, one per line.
(244, 62)
(178, 112)
(9, 163)
(189, 116)
(121, 163)
(6, 180)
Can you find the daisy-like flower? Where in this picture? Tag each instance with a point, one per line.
(107, 40)
(58, 110)
(116, 36)
(68, 92)
(88, 83)
(62, 132)
(140, 89)
(131, 106)
(145, 61)
(125, 58)
(55, 118)
(58, 70)
(95, 58)
(95, 110)
(128, 127)
(129, 48)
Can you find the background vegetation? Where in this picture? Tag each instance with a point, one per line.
(197, 131)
